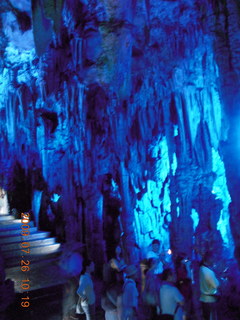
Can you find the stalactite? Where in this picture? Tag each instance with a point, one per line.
(41, 81)
(93, 224)
(36, 202)
(10, 118)
(127, 216)
(77, 47)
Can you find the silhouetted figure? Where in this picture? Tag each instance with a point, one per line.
(130, 294)
(229, 308)
(119, 260)
(71, 266)
(144, 267)
(110, 272)
(150, 294)
(184, 282)
(111, 300)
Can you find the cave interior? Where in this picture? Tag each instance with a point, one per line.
(119, 124)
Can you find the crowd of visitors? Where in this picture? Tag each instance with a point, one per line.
(161, 289)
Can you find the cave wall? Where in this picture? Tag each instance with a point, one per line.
(121, 109)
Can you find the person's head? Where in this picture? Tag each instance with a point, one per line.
(155, 245)
(130, 271)
(118, 251)
(151, 263)
(144, 265)
(181, 258)
(87, 266)
(208, 258)
(114, 264)
(168, 275)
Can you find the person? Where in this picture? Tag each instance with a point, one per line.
(230, 305)
(71, 265)
(130, 294)
(111, 300)
(209, 285)
(144, 267)
(154, 253)
(184, 281)
(150, 293)
(109, 307)
(119, 260)
(86, 290)
(171, 300)
(110, 271)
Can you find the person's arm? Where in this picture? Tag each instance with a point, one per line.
(180, 302)
(82, 288)
(212, 280)
(179, 297)
(133, 297)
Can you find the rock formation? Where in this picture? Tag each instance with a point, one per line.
(128, 111)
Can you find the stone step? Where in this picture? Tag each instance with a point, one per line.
(13, 262)
(14, 232)
(42, 246)
(18, 238)
(32, 244)
(13, 224)
(43, 273)
(6, 217)
(41, 250)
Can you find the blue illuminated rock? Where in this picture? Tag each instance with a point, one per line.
(128, 111)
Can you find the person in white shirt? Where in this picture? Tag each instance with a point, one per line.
(208, 286)
(171, 300)
(156, 257)
(86, 290)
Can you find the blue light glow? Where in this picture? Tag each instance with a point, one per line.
(55, 197)
(131, 94)
(149, 217)
(220, 190)
(195, 218)
(174, 164)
